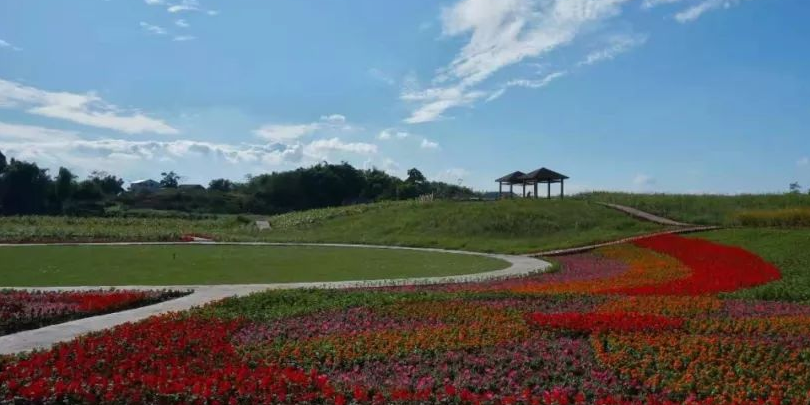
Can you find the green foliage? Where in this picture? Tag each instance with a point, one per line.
(170, 179)
(786, 249)
(24, 189)
(223, 185)
(3, 162)
(270, 305)
(701, 209)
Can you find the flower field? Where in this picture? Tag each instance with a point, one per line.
(21, 310)
(633, 324)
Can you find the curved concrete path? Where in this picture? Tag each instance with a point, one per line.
(43, 338)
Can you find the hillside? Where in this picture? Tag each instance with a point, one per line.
(510, 226)
(730, 210)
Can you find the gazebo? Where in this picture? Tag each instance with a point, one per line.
(539, 176)
(510, 179)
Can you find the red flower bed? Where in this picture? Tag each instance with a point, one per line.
(21, 310)
(605, 322)
(164, 359)
(715, 268)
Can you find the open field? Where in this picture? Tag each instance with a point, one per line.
(714, 209)
(632, 324)
(518, 226)
(788, 249)
(195, 264)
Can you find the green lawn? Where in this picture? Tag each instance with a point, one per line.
(179, 265)
(516, 226)
(789, 250)
(702, 209)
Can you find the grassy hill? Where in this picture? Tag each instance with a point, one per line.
(511, 226)
(516, 226)
(746, 210)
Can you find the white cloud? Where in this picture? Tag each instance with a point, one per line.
(31, 133)
(617, 44)
(694, 11)
(285, 133)
(391, 133)
(152, 29)
(154, 2)
(643, 180)
(428, 144)
(805, 161)
(7, 45)
(538, 83)
(86, 109)
(435, 101)
(381, 76)
(455, 175)
(183, 38)
(334, 118)
(501, 34)
(321, 147)
(182, 23)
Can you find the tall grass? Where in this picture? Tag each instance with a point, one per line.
(785, 218)
(702, 209)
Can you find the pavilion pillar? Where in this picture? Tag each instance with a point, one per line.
(511, 194)
(562, 189)
(535, 190)
(500, 190)
(548, 191)
(524, 189)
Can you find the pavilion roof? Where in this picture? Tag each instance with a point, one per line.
(514, 177)
(543, 174)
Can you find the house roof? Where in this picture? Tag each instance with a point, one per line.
(543, 174)
(144, 181)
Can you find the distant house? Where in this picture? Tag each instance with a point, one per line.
(147, 185)
(190, 187)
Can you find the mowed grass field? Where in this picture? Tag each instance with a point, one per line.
(85, 265)
(787, 249)
(727, 210)
(512, 226)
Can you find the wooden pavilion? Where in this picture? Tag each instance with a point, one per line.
(539, 176)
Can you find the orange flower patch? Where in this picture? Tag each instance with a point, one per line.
(664, 305)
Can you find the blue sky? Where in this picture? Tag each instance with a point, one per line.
(638, 95)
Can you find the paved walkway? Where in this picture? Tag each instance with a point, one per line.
(43, 338)
(644, 215)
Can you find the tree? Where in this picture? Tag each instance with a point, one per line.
(223, 185)
(795, 188)
(3, 162)
(25, 189)
(170, 180)
(108, 184)
(415, 176)
(64, 187)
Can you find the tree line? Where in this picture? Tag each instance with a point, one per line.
(27, 189)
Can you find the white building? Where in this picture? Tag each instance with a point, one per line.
(147, 185)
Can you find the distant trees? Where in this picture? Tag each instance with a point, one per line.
(795, 188)
(223, 185)
(27, 189)
(170, 180)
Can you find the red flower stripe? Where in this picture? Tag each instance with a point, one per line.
(605, 322)
(715, 268)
